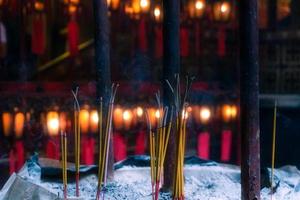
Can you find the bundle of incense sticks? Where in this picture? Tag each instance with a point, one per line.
(158, 140)
(77, 138)
(273, 149)
(179, 125)
(64, 162)
(104, 138)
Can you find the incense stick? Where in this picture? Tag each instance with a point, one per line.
(64, 162)
(77, 138)
(158, 140)
(180, 132)
(104, 140)
(273, 148)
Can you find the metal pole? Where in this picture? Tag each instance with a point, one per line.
(102, 62)
(171, 66)
(249, 90)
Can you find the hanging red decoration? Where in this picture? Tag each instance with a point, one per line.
(12, 162)
(221, 41)
(52, 148)
(226, 145)
(38, 35)
(184, 42)
(119, 147)
(73, 37)
(140, 143)
(142, 35)
(204, 145)
(88, 150)
(20, 154)
(158, 42)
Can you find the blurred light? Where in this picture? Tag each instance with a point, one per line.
(39, 6)
(221, 11)
(139, 111)
(205, 114)
(94, 121)
(127, 115)
(199, 5)
(145, 5)
(63, 121)
(224, 7)
(7, 123)
(19, 124)
(189, 109)
(157, 13)
(53, 123)
(157, 114)
(118, 118)
(184, 114)
(72, 9)
(229, 112)
(84, 117)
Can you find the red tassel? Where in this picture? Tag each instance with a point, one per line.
(12, 162)
(20, 155)
(221, 42)
(142, 36)
(38, 35)
(204, 145)
(88, 150)
(140, 143)
(73, 37)
(52, 149)
(119, 147)
(226, 145)
(197, 39)
(158, 42)
(184, 42)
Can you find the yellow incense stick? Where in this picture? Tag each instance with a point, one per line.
(273, 147)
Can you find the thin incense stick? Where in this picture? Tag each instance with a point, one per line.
(64, 162)
(77, 138)
(104, 140)
(273, 148)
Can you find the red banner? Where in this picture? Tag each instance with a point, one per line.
(226, 141)
(38, 41)
(73, 37)
(140, 145)
(204, 145)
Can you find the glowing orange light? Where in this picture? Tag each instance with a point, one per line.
(7, 120)
(39, 6)
(145, 5)
(84, 117)
(63, 121)
(139, 111)
(157, 13)
(221, 11)
(184, 114)
(19, 124)
(72, 9)
(157, 114)
(94, 120)
(127, 117)
(53, 123)
(205, 114)
(118, 117)
(199, 5)
(229, 112)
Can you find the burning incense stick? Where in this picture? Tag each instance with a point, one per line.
(158, 140)
(64, 162)
(77, 138)
(273, 148)
(180, 132)
(104, 140)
